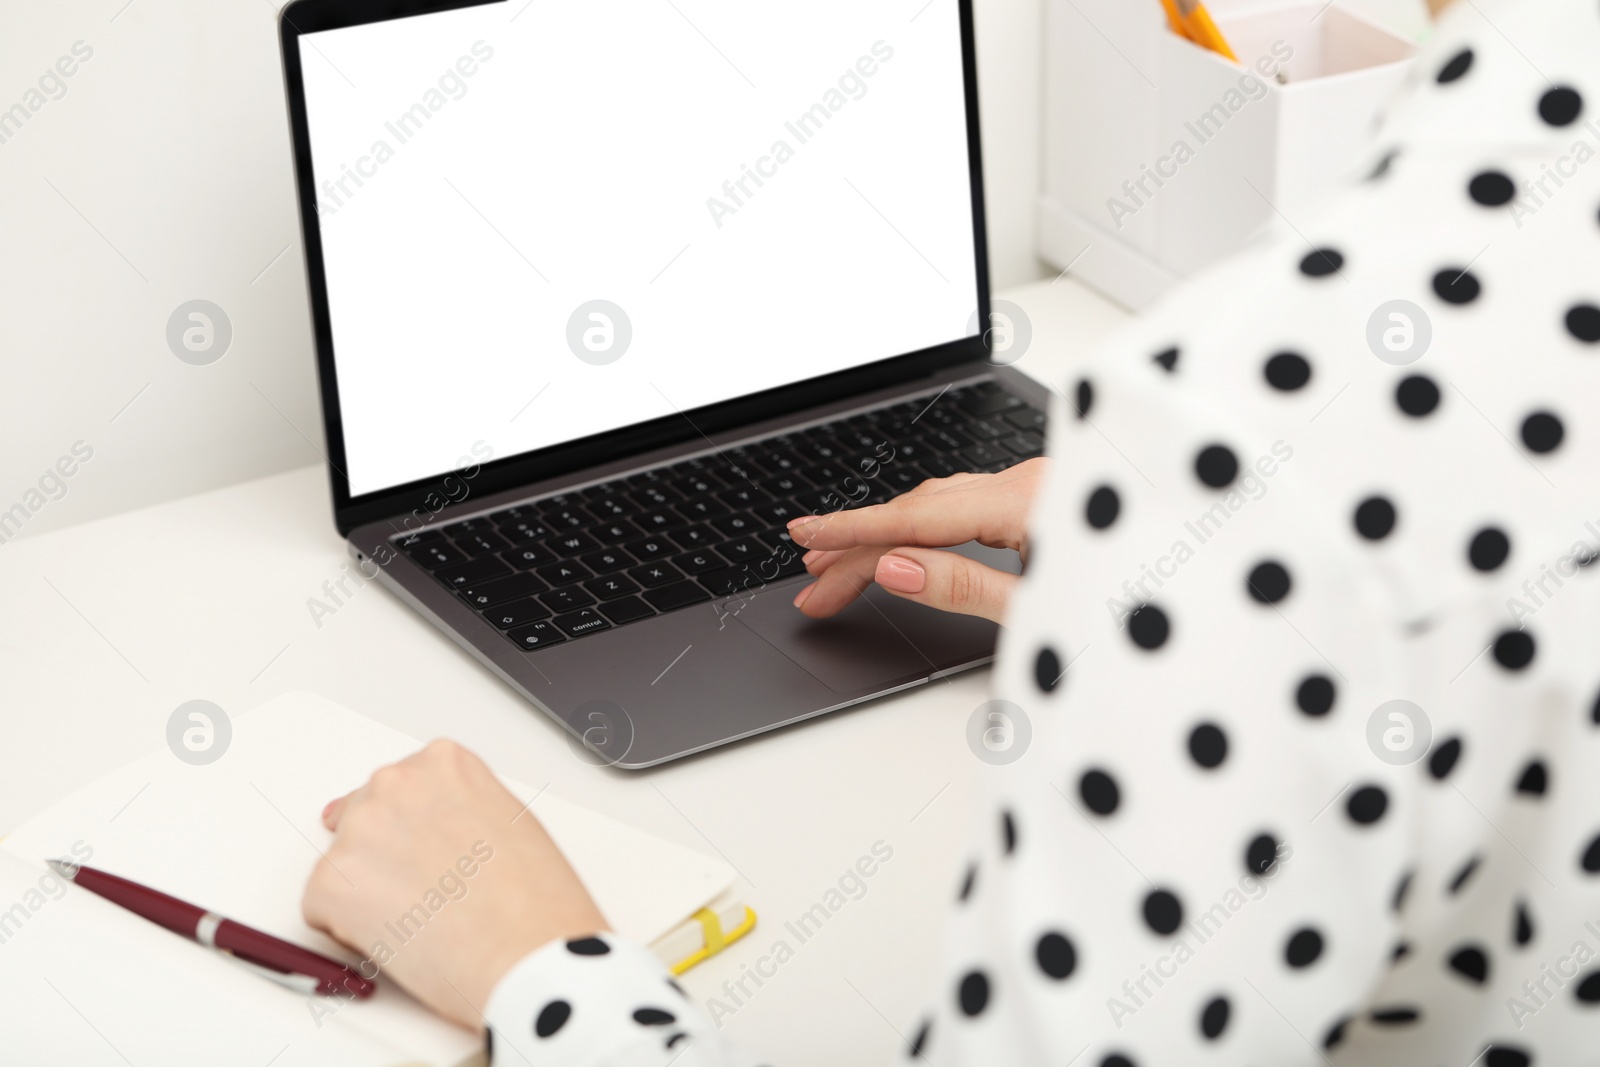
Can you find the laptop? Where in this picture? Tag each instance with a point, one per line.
(606, 293)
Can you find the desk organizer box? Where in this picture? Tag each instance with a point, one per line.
(1161, 157)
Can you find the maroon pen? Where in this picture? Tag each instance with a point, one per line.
(271, 957)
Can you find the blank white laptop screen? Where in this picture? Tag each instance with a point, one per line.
(546, 220)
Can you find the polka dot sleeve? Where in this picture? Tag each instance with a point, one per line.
(599, 1002)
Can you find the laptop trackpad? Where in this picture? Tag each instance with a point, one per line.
(878, 641)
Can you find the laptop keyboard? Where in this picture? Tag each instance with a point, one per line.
(562, 567)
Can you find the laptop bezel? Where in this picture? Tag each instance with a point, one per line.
(312, 16)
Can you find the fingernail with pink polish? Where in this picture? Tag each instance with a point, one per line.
(809, 556)
(802, 519)
(901, 574)
(804, 595)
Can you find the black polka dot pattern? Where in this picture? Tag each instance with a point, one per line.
(1216, 466)
(1492, 188)
(1148, 627)
(1102, 507)
(1162, 911)
(1047, 670)
(1489, 548)
(1375, 518)
(1303, 948)
(1542, 432)
(1472, 963)
(1514, 649)
(1417, 395)
(1456, 68)
(552, 1017)
(1367, 805)
(1056, 956)
(1560, 106)
(1315, 695)
(972, 995)
(1457, 285)
(1261, 855)
(1287, 371)
(1583, 323)
(1321, 263)
(1214, 1018)
(1099, 792)
(1269, 582)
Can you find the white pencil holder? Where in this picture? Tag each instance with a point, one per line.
(1162, 157)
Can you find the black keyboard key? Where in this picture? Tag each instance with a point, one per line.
(647, 548)
(781, 461)
(673, 597)
(500, 590)
(512, 516)
(744, 496)
(951, 440)
(778, 513)
(539, 635)
(942, 466)
(525, 532)
(786, 485)
(564, 573)
(607, 560)
(1027, 420)
(903, 479)
(436, 554)
(1024, 445)
(482, 543)
(567, 518)
(692, 537)
(744, 550)
(655, 575)
(560, 502)
(826, 474)
(517, 613)
(656, 497)
(604, 489)
(529, 556)
(699, 562)
(611, 586)
(738, 525)
(569, 599)
(578, 623)
(698, 484)
(628, 609)
(986, 429)
(608, 508)
(656, 521)
(572, 542)
(611, 533)
(473, 572)
(700, 510)
(981, 456)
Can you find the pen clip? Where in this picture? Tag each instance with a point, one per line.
(300, 983)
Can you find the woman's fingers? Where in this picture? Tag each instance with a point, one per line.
(990, 508)
(335, 811)
(847, 575)
(947, 581)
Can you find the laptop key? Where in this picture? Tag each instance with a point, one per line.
(699, 562)
(696, 536)
(1025, 445)
(512, 516)
(665, 519)
(744, 496)
(647, 548)
(981, 456)
(738, 525)
(941, 466)
(744, 550)
(565, 572)
(578, 623)
(700, 510)
(572, 542)
(567, 518)
(418, 537)
(1027, 420)
(673, 597)
(539, 635)
(786, 485)
(779, 512)
(516, 613)
(568, 599)
(482, 544)
(611, 533)
(655, 575)
(611, 586)
(994, 403)
(986, 429)
(528, 556)
(607, 560)
(436, 554)
(500, 590)
(524, 532)
(655, 497)
(628, 609)
(467, 527)
(472, 572)
(699, 484)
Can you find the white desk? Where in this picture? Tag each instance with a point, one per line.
(111, 624)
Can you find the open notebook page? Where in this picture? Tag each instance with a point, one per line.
(240, 836)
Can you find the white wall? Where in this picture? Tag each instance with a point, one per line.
(162, 175)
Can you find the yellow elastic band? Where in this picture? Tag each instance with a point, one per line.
(716, 940)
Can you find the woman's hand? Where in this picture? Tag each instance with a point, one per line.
(895, 544)
(439, 876)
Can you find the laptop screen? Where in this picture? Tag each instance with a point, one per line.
(545, 220)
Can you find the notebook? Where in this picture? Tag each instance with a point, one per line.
(87, 982)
